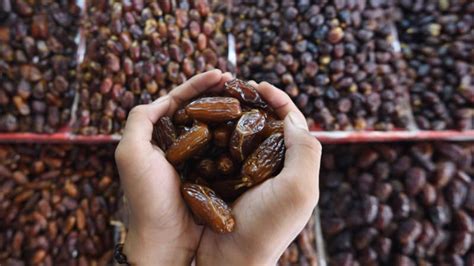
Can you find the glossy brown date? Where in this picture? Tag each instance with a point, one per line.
(245, 137)
(208, 207)
(188, 144)
(214, 109)
(221, 136)
(245, 93)
(181, 118)
(164, 133)
(272, 126)
(265, 162)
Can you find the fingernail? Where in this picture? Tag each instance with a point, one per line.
(161, 99)
(297, 120)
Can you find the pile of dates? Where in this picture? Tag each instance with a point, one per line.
(437, 43)
(37, 64)
(56, 202)
(137, 51)
(404, 204)
(222, 146)
(335, 58)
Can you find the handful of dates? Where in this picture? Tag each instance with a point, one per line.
(222, 146)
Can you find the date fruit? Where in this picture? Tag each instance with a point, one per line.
(221, 145)
(164, 133)
(265, 161)
(245, 93)
(214, 109)
(188, 144)
(246, 134)
(208, 207)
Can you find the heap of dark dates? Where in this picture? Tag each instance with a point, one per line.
(56, 203)
(37, 64)
(337, 59)
(405, 204)
(222, 146)
(139, 50)
(438, 43)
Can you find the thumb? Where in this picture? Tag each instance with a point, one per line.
(302, 159)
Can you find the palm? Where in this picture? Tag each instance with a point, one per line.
(254, 210)
(161, 196)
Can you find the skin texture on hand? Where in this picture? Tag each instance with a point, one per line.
(269, 216)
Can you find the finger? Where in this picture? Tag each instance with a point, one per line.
(277, 99)
(193, 87)
(302, 158)
(139, 126)
(219, 87)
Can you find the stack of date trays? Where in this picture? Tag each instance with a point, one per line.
(361, 71)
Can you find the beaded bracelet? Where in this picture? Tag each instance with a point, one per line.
(119, 257)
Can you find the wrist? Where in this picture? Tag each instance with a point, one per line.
(233, 258)
(142, 248)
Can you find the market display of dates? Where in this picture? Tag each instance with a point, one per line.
(79, 67)
(222, 146)
(341, 63)
(37, 64)
(438, 43)
(403, 204)
(56, 203)
(137, 51)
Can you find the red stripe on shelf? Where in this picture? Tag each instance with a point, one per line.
(323, 136)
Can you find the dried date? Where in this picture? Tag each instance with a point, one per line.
(214, 109)
(245, 92)
(208, 207)
(265, 162)
(164, 133)
(246, 135)
(188, 144)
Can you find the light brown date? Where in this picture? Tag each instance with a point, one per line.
(164, 133)
(208, 207)
(188, 144)
(244, 92)
(266, 161)
(245, 137)
(214, 109)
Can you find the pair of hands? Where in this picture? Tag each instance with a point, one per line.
(269, 216)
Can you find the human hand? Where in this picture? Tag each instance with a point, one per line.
(270, 215)
(162, 230)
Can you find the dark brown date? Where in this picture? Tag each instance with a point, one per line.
(164, 133)
(221, 136)
(245, 93)
(225, 164)
(272, 126)
(246, 135)
(265, 162)
(230, 189)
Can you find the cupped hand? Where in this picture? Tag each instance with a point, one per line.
(161, 230)
(269, 216)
